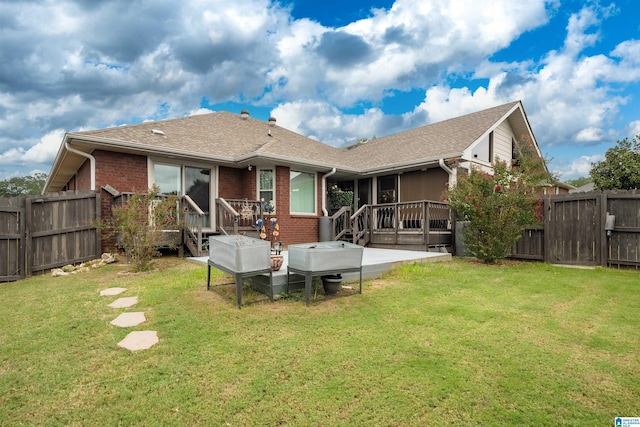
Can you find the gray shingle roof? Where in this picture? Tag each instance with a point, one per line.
(443, 139)
(218, 136)
(227, 138)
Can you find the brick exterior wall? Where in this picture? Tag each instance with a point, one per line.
(124, 172)
(297, 228)
(242, 184)
(237, 183)
(128, 173)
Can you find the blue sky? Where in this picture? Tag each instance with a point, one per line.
(335, 71)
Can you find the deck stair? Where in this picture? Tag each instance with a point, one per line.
(234, 216)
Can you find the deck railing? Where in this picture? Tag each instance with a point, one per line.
(341, 223)
(361, 225)
(238, 215)
(194, 219)
(420, 223)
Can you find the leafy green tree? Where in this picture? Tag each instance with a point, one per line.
(31, 185)
(498, 206)
(620, 169)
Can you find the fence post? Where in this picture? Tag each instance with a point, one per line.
(601, 238)
(546, 225)
(98, 219)
(28, 225)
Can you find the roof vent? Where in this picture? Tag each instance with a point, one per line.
(157, 132)
(272, 121)
(244, 114)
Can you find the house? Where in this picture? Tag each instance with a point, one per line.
(235, 157)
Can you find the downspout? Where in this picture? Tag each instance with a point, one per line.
(92, 161)
(448, 170)
(324, 191)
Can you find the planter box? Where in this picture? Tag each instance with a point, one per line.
(240, 254)
(325, 256)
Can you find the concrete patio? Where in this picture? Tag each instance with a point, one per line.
(375, 262)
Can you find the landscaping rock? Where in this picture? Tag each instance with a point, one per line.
(106, 258)
(56, 272)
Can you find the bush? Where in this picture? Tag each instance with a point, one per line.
(139, 226)
(499, 207)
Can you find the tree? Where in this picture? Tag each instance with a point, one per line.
(19, 186)
(620, 169)
(498, 206)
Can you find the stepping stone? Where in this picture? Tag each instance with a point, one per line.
(140, 340)
(112, 291)
(126, 320)
(124, 302)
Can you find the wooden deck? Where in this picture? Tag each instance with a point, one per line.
(420, 226)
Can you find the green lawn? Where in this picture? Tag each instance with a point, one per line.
(432, 344)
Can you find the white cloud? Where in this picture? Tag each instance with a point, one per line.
(634, 128)
(105, 63)
(43, 151)
(322, 121)
(566, 96)
(578, 168)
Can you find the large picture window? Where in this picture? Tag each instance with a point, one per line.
(303, 192)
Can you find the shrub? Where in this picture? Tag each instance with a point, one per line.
(139, 226)
(499, 207)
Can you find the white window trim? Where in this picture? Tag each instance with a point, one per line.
(273, 170)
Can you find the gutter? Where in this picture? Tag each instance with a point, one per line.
(92, 161)
(324, 191)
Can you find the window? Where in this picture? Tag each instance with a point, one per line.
(198, 186)
(266, 188)
(168, 179)
(179, 180)
(303, 192)
(387, 189)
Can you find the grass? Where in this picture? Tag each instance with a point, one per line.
(451, 343)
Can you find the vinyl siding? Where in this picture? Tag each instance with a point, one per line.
(502, 138)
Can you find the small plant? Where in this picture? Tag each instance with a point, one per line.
(139, 226)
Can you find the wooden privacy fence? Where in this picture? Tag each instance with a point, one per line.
(44, 232)
(575, 230)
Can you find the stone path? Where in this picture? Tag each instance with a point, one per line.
(136, 340)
